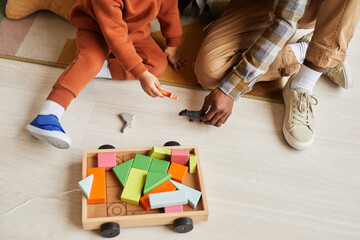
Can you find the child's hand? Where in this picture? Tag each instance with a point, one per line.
(149, 84)
(176, 60)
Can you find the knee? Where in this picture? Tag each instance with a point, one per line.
(89, 62)
(159, 67)
(206, 72)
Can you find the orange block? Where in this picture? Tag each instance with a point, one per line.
(98, 189)
(165, 187)
(177, 171)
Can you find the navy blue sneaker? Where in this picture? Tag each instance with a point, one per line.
(47, 128)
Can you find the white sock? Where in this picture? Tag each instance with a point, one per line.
(104, 72)
(51, 107)
(300, 50)
(306, 78)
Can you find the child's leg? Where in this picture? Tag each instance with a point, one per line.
(91, 54)
(92, 51)
(153, 58)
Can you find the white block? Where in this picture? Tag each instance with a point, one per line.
(86, 184)
(192, 194)
(167, 199)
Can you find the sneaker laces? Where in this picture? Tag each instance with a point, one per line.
(303, 109)
(329, 72)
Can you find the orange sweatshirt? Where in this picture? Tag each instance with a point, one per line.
(123, 21)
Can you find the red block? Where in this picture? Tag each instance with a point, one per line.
(177, 208)
(107, 160)
(180, 156)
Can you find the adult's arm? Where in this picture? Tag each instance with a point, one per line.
(258, 58)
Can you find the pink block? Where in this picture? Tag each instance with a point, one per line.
(180, 156)
(107, 160)
(177, 208)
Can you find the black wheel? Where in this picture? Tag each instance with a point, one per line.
(109, 230)
(183, 225)
(106, 146)
(171, 143)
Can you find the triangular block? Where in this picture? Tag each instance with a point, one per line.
(86, 184)
(122, 171)
(192, 194)
(154, 179)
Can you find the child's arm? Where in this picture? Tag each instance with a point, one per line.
(170, 23)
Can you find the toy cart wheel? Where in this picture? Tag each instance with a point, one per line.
(106, 146)
(109, 230)
(183, 225)
(171, 143)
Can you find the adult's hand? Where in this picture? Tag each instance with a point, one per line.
(218, 107)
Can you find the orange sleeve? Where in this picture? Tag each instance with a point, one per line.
(115, 31)
(170, 25)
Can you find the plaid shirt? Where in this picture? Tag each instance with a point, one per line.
(257, 59)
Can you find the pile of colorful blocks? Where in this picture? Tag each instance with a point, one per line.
(154, 181)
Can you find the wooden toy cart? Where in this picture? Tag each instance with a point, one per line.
(110, 216)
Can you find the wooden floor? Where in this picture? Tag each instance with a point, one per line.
(257, 186)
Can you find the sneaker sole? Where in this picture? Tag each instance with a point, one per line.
(348, 78)
(296, 144)
(55, 138)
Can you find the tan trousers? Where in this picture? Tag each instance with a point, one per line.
(243, 22)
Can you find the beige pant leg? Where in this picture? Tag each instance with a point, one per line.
(335, 26)
(239, 26)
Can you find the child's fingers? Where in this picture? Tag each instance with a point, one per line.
(156, 91)
(182, 60)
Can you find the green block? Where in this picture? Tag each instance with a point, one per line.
(159, 166)
(134, 185)
(142, 162)
(122, 171)
(160, 153)
(154, 179)
(192, 163)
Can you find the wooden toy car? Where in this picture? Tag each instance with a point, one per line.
(113, 214)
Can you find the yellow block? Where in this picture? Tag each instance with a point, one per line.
(134, 186)
(160, 153)
(192, 163)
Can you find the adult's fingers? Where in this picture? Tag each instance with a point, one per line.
(221, 120)
(209, 115)
(215, 119)
(205, 106)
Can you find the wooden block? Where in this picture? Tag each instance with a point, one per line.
(134, 185)
(85, 185)
(160, 166)
(160, 153)
(172, 209)
(122, 171)
(98, 189)
(192, 163)
(106, 160)
(165, 187)
(180, 156)
(167, 199)
(192, 195)
(177, 171)
(142, 162)
(154, 179)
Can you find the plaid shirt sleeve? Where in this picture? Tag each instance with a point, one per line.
(258, 58)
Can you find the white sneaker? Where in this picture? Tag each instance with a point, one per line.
(341, 77)
(298, 127)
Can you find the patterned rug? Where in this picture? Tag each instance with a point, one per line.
(45, 38)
